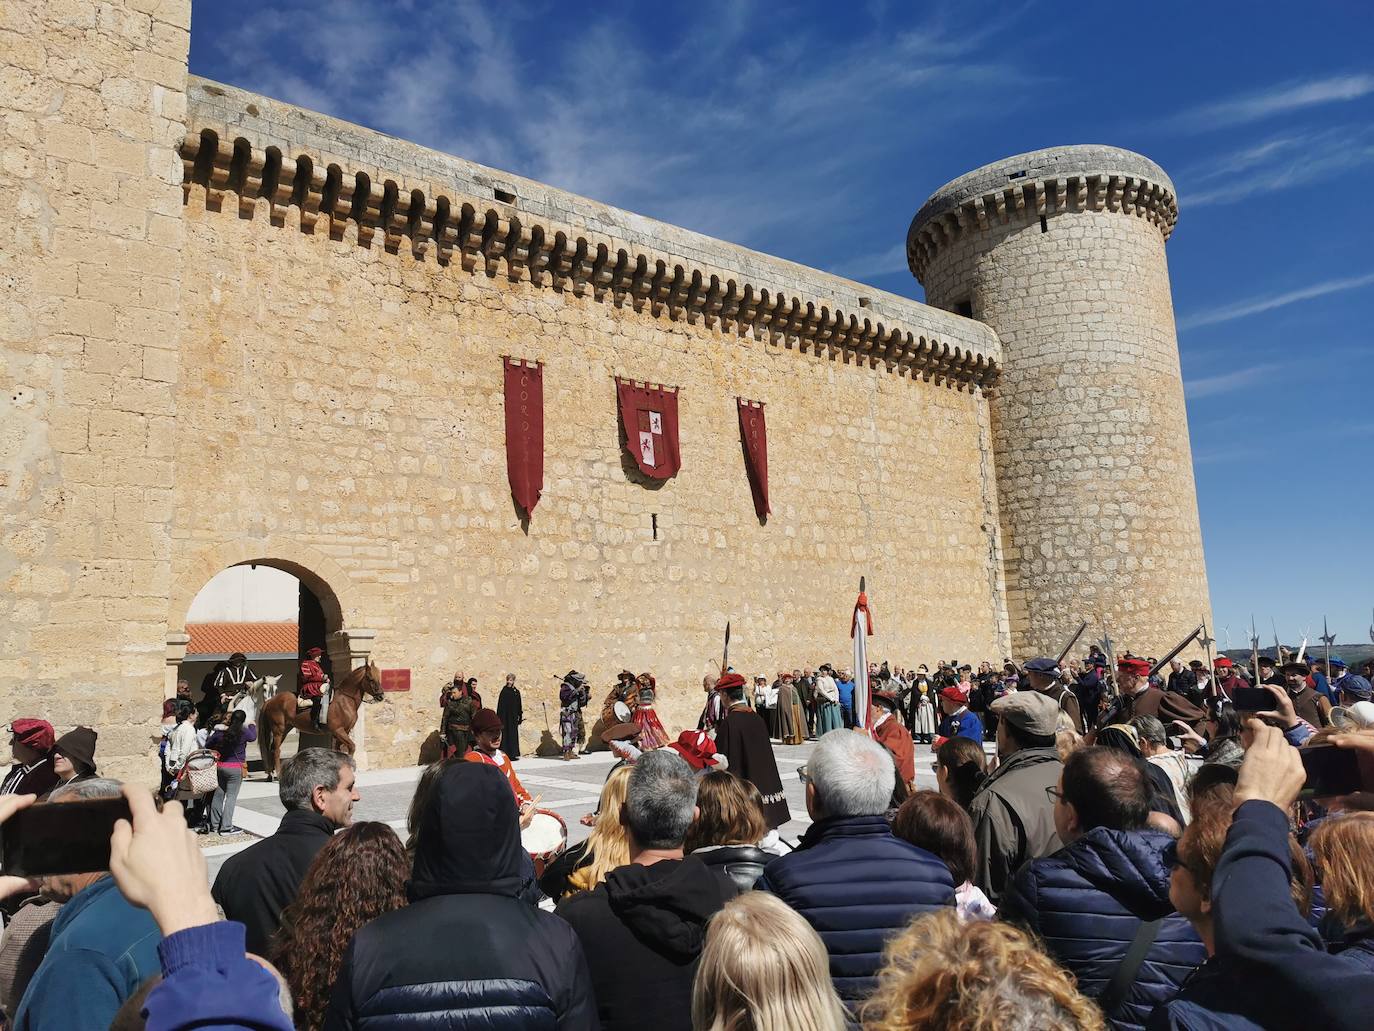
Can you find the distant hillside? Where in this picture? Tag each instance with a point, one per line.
(1353, 654)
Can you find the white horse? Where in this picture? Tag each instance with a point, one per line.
(252, 697)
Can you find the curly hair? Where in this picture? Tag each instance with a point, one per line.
(981, 976)
(359, 875)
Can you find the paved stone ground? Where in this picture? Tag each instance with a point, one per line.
(570, 788)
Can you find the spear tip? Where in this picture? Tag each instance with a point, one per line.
(861, 584)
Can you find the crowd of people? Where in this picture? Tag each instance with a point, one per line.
(1100, 862)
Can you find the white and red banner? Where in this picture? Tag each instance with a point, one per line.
(648, 414)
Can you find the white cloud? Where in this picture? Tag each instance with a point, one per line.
(867, 266)
(1209, 386)
(1281, 99)
(1281, 163)
(1256, 305)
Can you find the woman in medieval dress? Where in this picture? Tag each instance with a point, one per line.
(651, 732)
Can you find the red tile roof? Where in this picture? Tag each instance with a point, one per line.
(249, 638)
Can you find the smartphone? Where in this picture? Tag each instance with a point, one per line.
(1252, 699)
(1330, 771)
(61, 837)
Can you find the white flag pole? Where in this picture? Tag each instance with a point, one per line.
(859, 630)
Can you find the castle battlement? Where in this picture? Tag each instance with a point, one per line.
(336, 174)
(1042, 183)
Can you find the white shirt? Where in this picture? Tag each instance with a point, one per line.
(826, 688)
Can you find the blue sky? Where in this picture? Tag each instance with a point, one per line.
(815, 131)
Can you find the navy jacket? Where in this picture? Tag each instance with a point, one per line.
(857, 885)
(467, 953)
(1088, 900)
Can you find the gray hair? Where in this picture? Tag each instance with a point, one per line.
(853, 775)
(1150, 729)
(307, 769)
(660, 799)
(91, 787)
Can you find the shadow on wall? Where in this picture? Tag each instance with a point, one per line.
(548, 746)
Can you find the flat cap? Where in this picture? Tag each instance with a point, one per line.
(1029, 711)
(1043, 665)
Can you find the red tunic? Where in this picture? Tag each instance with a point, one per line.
(502, 763)
(311, 684)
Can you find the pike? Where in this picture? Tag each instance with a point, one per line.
(725, 656)
(1327, 639)
(1178, 648)
(1371, 630)
(1072, 641)
(1278, 648)
(1207, 640)
(1303, 649)
(1106, 645)
(1254, 649)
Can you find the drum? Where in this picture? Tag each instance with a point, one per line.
(622, 712)
(544, 839)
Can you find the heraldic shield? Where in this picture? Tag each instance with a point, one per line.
(648, 414)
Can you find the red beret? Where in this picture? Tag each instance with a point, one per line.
(484, 720)
(36, 734)
(314, 653)
(955, 693)
(696, 747)
(728, 681)
(1139, 667)
(1223, 662)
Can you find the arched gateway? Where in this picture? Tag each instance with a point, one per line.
(347, 644)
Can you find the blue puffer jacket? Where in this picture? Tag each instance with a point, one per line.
(857, 885)
(1087, 902)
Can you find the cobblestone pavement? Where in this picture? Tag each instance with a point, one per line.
(572, 789)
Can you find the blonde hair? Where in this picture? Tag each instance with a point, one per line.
(608, 845)
(763, 968)
(982, 976)
(1342, 846)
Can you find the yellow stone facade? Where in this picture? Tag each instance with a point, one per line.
(241, 332)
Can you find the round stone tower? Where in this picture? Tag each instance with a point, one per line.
(1061, 251)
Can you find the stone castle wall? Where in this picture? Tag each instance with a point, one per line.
(92, 110)
(341, 413)
(1095, 475)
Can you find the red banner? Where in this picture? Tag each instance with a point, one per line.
(753, 432)
(525, 431)
(395, 680)
(649, 416)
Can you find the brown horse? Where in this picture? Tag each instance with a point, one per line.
(279, 716)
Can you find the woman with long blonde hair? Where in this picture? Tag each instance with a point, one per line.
(765, 969)
(584, 866)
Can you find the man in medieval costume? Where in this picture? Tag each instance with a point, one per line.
(486, 748)
(229, 681)
(714, 710)
(1307, 704)
(742, 737)
(651, 732)
(1139, 698)
(885, 712)
(310, 687)
(455, 728)
(512, 712)
(572, 695)
(791, 719)
(1045, 676)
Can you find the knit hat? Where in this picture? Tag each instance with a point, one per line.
(37, 734)
(484, 720)
(79, 746)
(729, 680)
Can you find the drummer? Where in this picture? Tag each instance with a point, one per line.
(486, 730)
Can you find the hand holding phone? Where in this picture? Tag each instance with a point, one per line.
(61, 837)
(1331, 771)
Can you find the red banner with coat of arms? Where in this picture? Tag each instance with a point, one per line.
(753, 433)
(648, 414)
(525, 431)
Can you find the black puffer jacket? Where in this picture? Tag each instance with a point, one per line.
(744, 863)
(643, 930)
(1088, 900)
(466, 953)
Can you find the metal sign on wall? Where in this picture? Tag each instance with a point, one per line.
(395, 680)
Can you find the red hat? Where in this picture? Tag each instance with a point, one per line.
(696, 747)
(484, 720)
(1223, 662)
(37, 734)
(313, 653)
(955, 693)
(729, 680)
(1139, 667)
